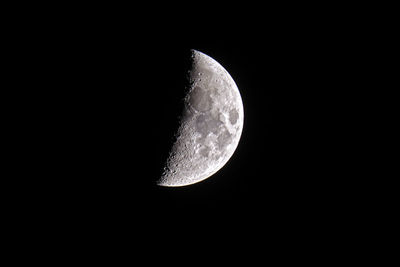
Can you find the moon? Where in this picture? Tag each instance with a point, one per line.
(210, 127)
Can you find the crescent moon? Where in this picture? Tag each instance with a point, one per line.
(210, 128)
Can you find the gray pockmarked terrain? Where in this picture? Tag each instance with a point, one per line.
(210, 127)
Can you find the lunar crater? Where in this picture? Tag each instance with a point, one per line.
(205, 151)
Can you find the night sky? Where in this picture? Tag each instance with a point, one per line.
(98, 101)
(122, 109)
(113, 116)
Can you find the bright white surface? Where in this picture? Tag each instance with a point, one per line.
(211, 126)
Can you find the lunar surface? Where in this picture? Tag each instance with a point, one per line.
(210, 127)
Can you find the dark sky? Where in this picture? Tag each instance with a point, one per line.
(122, 106)
(102, 92)
(115, 110)
(119, 111)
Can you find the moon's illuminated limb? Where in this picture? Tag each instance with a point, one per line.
(211, 126)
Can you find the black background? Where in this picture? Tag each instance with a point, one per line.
(109, 100)
(111, 108)
(122, 135)
(120, 105)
